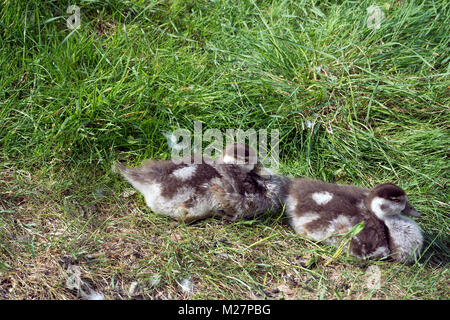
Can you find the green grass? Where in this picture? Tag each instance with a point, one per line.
(71, 103)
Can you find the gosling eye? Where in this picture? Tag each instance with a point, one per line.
(395, 199)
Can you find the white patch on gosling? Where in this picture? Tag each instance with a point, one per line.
(322, 197)
(185, 173)
(291, 203)
(391, 208)
(341, 224)
(299, 222)
(159, 204)
(375, 206)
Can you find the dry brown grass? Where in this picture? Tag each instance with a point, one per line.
(123, 251)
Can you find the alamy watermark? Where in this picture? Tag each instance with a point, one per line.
(376, 16)
(373, 277)
(184, 147)
(74, 20)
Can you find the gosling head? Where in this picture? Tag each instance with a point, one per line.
(387, 200)
(240, 154)
(246, 157)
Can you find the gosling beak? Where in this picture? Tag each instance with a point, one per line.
(410, 211)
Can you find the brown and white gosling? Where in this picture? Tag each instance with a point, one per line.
(321, 210)
(188, 191)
